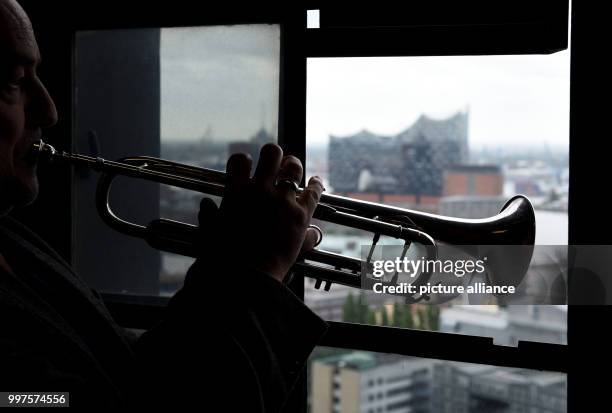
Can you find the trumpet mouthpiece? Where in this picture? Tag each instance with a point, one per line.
(40, 149)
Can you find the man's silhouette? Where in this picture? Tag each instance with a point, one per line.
(234, 336)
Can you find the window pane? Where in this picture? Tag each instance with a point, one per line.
(192, 95)
(232, 108)
(449, 135)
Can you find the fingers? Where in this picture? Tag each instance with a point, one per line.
(291, 170)
(238, 170)
(309, 198)
(269, 164)
(208, 213)
(208, 217)
(311, 239)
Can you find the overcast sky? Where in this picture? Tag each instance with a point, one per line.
(221, 77)
(225, 79)
(511, 99)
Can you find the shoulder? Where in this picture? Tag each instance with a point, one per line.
(15, 231)
(16, 228)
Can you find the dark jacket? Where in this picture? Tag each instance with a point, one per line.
(236, 339)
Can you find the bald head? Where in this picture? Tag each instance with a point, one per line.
(12, 16)
(16, 34)
(14, 11)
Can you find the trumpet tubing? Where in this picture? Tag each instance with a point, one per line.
(514, 225)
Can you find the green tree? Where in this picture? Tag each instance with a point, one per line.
(434, 317)
(362, 309)
(397, 314)
(417, 321)
(384, 316)
(424, 318)
(371, 317)
(349, 309)
(406, 319)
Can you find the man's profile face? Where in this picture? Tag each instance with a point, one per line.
(25, 107)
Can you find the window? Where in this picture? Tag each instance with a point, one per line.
(332, 39)
(366, 94)
(450, 135)
(196, 95)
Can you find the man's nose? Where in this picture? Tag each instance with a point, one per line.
(41, 111)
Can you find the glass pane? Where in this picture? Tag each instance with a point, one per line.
(219, 95)
(192, 95)
(358, 381)
(449, 135)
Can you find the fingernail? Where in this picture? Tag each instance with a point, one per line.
(317, 177)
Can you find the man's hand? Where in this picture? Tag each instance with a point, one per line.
(261, 222)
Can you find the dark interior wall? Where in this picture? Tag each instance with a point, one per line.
(438, 27)
(589, 207)
(117, 114)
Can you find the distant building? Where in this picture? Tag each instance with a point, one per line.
(330, 304)
(411, 162)
(360, 382)
(471, 388)
(462, 206)
(472, 191)
(253, 145)
(483, 180)
(424, 203)
(543, 323)
(423, 164)
(542, 183)
(327, 304)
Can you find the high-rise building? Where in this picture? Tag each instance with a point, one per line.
(545, 323)
(475, 180)
(472, 388)
(472, 191)
(360, 382)
(411, 162)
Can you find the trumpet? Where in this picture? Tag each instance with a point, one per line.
(514, 225)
